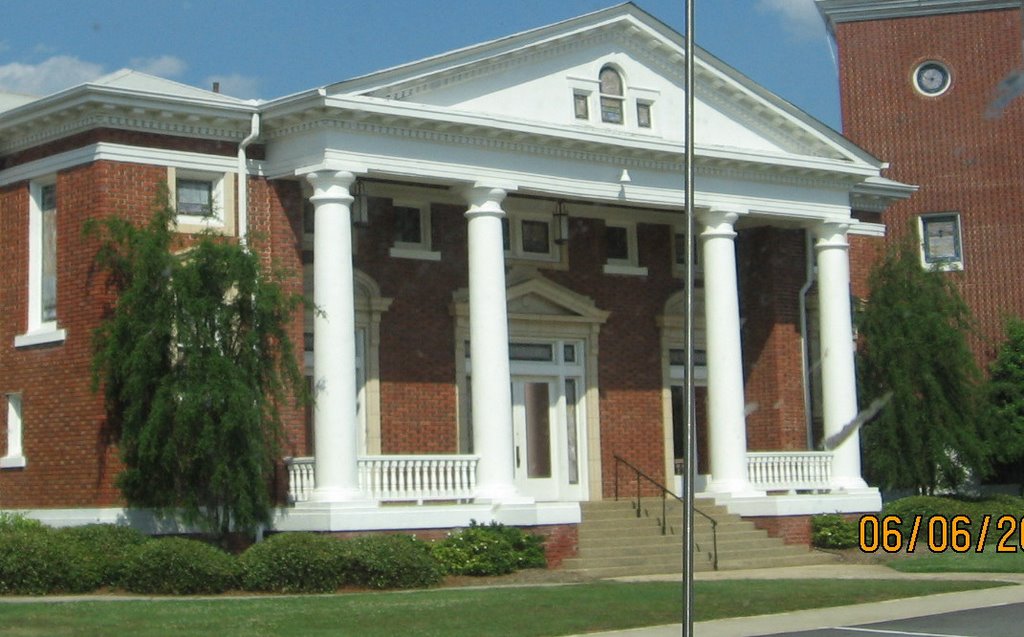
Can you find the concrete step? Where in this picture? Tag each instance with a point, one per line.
(614, 542)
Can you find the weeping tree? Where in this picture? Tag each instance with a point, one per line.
(1004, 394)
(195, 362)
(913, 345)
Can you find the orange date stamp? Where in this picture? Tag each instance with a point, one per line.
(940, 533)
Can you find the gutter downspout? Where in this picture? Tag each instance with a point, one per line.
(243, 181)
(804, 346)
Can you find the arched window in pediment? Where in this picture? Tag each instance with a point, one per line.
(611, 95)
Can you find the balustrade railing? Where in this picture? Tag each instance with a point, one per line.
(397, 478)
(789, 470)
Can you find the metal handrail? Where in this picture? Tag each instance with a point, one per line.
(664, 495)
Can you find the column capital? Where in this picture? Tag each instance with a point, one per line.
(831, 234)
(484, 199)
(718, 222)
(331, 186)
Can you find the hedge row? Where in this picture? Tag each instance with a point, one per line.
(38, 560)
(833, 531)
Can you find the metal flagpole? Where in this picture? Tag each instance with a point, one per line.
(688, 438)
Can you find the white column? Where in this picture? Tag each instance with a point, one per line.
(838, 373)
(727, 428)
(488, 342)
(334, 346)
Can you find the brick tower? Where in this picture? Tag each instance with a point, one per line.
(922, 87)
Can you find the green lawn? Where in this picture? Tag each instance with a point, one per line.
(551, 610)
(988, 561)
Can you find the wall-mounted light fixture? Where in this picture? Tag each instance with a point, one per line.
(561, 223)
(360, 205)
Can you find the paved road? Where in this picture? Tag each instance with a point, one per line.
(1006, 620)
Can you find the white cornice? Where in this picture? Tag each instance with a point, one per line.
(838, 11)
(104, 151)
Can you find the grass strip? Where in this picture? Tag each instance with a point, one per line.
(988, 561)
(528, 611)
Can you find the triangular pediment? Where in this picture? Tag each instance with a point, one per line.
(532, 296)
(534, 76)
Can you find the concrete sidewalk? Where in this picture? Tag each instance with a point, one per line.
(836, 616)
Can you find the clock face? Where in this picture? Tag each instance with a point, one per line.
(931, 78)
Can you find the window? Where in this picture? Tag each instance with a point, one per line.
(580, 105)
(14, 457)
(411, 232)
(42, 267)
(529, 237)
(611, 95)
(203, 200)
(194, 197)
(940, 241)
(621, 250)
(643, 114)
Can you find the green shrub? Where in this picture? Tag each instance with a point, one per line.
(926, 507)
(391, 561)
(101, 549)
(178, 566)
(18, 522)
(833, 531)
(36, 561)
(295, 563)
(493, 549)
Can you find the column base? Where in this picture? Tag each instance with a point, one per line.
(340, 496)
(851, 483)
(500, 494)
(737, 488)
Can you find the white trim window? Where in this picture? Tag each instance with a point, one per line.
(581, 104)
(14, 458)
(621, 249)
(412, 235)
(941, 247)
(42, 324)
(203, 200)
(643, 114)
(529, 237)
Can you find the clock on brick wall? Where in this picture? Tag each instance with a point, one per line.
(931, 78)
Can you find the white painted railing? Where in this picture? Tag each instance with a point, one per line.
(397, 478)
(789, 470)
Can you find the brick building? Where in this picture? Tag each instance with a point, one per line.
(495, 237)
(920, 86)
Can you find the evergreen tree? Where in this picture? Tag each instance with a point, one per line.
(195, 360)
(913, 344)
(1004, 394)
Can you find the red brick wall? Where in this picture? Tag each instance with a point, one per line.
(771, 270)
(793, 529)
(962, 160)
(70, 457)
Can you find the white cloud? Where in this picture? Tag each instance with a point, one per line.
(235, 85)
(166, 66)
(800, 17)
(49, 76)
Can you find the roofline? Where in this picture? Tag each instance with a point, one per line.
(839, 11)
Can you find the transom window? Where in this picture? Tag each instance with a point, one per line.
(611, 95)
(941, 242)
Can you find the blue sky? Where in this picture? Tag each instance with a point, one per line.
(270, 48)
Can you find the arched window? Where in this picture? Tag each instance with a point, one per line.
(611, 95)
